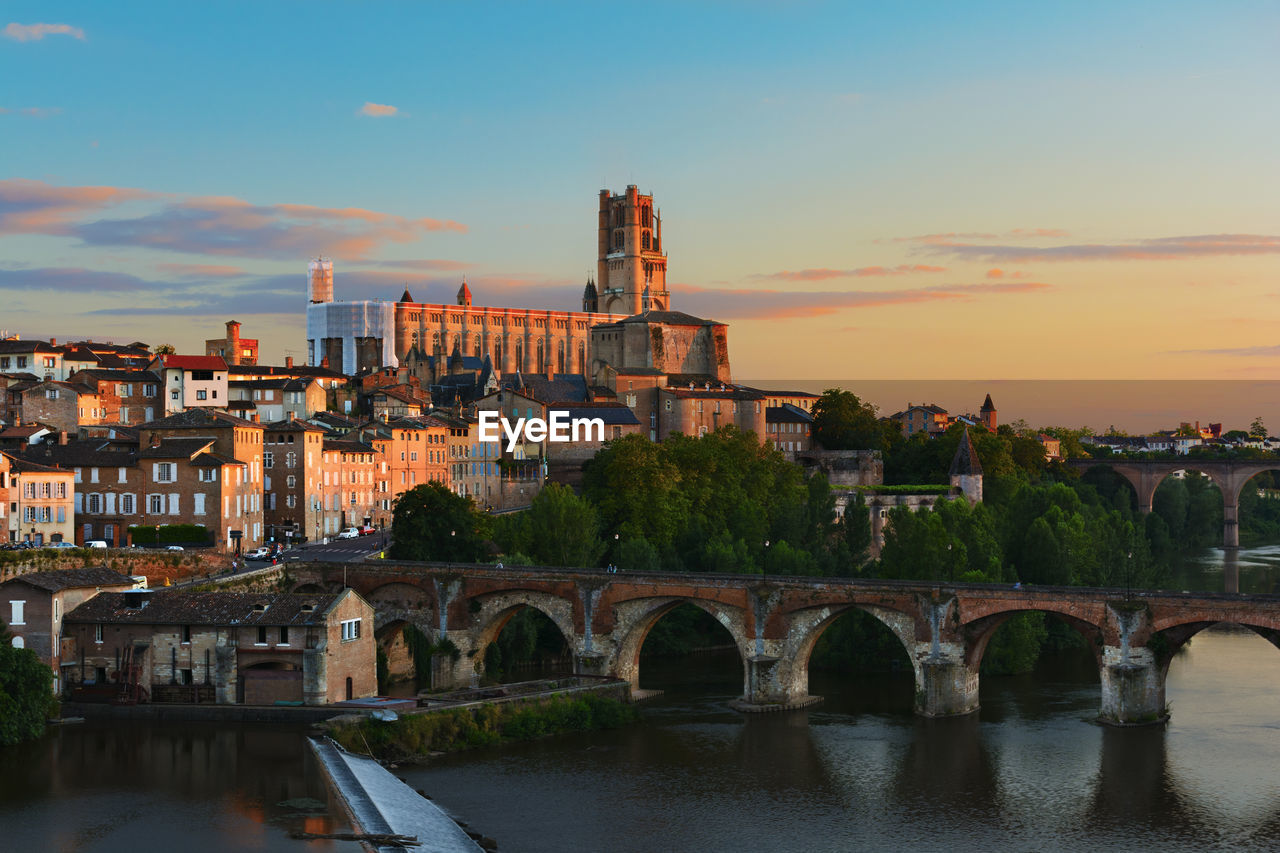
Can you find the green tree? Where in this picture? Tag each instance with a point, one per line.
(26, 697)
(1258, 429)
(857, 529)
(559, 529)
(432, 523)
(841, 421)
(163, 349)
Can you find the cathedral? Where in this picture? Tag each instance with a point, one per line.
(626, 323)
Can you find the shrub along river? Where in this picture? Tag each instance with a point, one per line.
(1030, 771)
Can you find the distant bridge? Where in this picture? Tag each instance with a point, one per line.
(1228, 475)
(776, 621)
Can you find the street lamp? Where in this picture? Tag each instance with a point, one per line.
(951, 570)
(1128, 563)
(764, 563)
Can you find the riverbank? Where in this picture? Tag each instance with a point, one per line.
(417, 735)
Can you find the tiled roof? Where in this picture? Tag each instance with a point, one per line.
(26, 466)
(176, 448)
(74, 579)
(193, 362)
(670, 318)
(23, 347)
(199, 417)
(87, 453)
(204, 608)
(787, 414)
(292, 425)
(563, 386)
(347, 446)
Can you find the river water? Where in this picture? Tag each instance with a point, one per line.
(1030, 771)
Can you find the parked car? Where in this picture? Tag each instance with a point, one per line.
(95, 543)
(262, 553)
(61, 545)
(349, 533)
(367, 530)
(173, 548)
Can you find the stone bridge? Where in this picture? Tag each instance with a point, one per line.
(1229, 475)
(775, 622)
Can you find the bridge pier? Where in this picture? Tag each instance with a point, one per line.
(1132, 688)
(945, 686)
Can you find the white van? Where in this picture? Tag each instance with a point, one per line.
(96, 543)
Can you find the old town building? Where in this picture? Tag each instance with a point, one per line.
(41, 503)
(292, 465)
(233, 349)
(32, 606)
(223, 647)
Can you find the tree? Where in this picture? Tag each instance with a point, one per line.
(857, 529)
(560, 529)
(1258, 429)
(26, 697)
(432, 523)
(841, 421)
(163, 349)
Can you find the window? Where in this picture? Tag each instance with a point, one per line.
(156, 504)
(97, 633)
(262, 635)
(126, 504)
(51, 393)
(668, 406)
(95, 503)
(164, 472)
(284, 635)
(173, 395)
(268, 459)
(290, 501)
(49, 361)
(291, 459)
(202, 395)
(350, 629)
(208, 475)
(186, 633)
(291, 481)
(149, 390)
(15, 612)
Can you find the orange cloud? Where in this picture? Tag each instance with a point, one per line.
(36, 32)
(823, 274)
(377, 110)
(999, 273)
(1154, 249)
(215, 225)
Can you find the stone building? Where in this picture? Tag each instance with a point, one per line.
(790, 428)
(233, 349)
(411, 451)
(123, 396)
(223, 647)
(191, 381)
(33, 605)
(351, 487)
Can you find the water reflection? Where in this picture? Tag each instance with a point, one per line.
(1247, 570)
(1030, 771)
(126, 786)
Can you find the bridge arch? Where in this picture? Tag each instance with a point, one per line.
(1176, 631)
(492, 611)
(980, 631)
(635, 618)
(806, 627)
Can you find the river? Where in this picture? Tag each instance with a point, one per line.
(1030, 771)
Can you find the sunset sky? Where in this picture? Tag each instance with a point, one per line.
(981, 190)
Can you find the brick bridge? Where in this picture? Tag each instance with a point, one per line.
(775, 623)
(1228, 475)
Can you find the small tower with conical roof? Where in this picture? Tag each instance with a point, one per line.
(988, 413)
(405, 297)
(455, 361)
(966, 471)
(590, 297)
(464, 294)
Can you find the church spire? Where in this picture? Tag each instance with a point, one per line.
(464, 294)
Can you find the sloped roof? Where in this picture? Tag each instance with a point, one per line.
(176, 448)
(199, 417)
(73, 579)
(205, 608)
(787, 414)
(670, 318)
(965, 462)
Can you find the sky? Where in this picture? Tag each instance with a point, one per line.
(880, 191)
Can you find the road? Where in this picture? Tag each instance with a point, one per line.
(338, 550)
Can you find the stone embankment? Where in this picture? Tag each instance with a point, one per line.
(158, 566)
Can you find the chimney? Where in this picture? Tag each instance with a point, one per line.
(53, 342)
(324, 362)
(62, 438)
(288, 361)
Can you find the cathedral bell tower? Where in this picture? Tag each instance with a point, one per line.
(631, 273)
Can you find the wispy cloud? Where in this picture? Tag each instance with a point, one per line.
(726, 303)
(36, 32)
(199, 271)
(1154, 249)
(421, 264)
(824, 274)
(1007, 274)
(71, 280)
(377, 110)
(1269, 350)
(213, 225)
